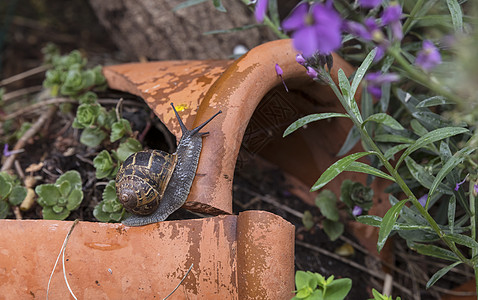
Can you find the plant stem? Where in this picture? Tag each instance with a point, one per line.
(367, 140)
(268, 22)
(473, 225)
(411, 17)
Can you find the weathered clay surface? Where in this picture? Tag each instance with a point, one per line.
(233, 257)
(249, 92)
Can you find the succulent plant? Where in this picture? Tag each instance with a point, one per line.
(110, 209)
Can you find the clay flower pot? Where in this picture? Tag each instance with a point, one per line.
(245, 256)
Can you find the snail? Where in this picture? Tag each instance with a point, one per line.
(152, 184)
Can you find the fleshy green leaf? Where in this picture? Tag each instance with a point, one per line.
(120, 129)
(387, 223)
(127, 148)
(431, 137)
(337, 168)
(49, 214)
(338, 289)
(384, 119)
(17, 195)
(333, 229)
(74, 200)
(4, 209)
(326, 201)
(92, 137)
(49, 194)
(310, 118)
(308, 220)
(103, 164)
(73, 177)
(440, 273)
(364, 168)
(5, 188)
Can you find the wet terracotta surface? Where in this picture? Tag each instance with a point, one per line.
(233, 257)
(256, 110)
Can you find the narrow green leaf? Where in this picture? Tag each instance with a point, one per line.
(337, 168)
(434, 251)
(360, 73)
(434, 101)
(218, 5)
(451, 163)
(451, 213)
(389, 154)
(431, 137)
(384, 119)
(392, 138)
(431, 120)
(344, 84)
(364, 168)
(440, 273)
(273, 12)
(462, 240)
(424, 178)
(234, 29)
(456, 15)
(387, 223)
(376, 221)
(352, 139)
(310, 118)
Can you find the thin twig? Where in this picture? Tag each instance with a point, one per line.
(118, 109)
(25, 74)
(38, 105)
(62, 252)
(21, 92)
(27, 135)
(192, 264)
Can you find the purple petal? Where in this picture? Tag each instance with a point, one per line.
(429, 57)
(5, 151)
(423, 200)
(297, 18)
(358, 30)
(311, 72)
(475, 188)
(305, 40)
(279, 70)
(260, 10)
(357, 210)
(391, 14)
(369, 3)
(375, 90)
(458, 184)
(300, 59)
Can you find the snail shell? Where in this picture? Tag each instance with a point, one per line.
(142, 180)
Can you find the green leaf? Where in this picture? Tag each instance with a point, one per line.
(431, 137)
(344, 84)
(5, 188)
(387, 223)
(64, 188)
(119, 129)
(86, 115)
(187, 3)
(326, 201)
(4, 209)
(440, 273)
(74, 200)
(49, 214)
(337, 168)
(456, 15)
(392, 138)
(308, 220)
(103, 164)
(127, 148)
(384, 119)
(333, 229)
(338, 289)
(451, 213)
(364, 168)
(92, 137)
(424, 178)
(360, 73)
(73, 177)
(390, 153)
(352, 139)
(434, 101)
(218, 5)
(434, 251)
(451, 163)
(17, 195)
(310, 118)
(48, 194)
(234, 29)
(109, 193)
(462, 240)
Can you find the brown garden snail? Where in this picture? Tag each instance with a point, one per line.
(153, 184)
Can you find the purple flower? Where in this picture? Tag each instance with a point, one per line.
(260, 10)
(279, 73)
(376, 80)
(300, 59)
(317, 28)
(312, 72)
(369, 3)
(475, 188)
(5, 151)
(357, 210)
(423, 200)
(391, 16)
(358, 30)
(429, 57)
(458, 184)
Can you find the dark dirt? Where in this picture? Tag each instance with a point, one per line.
(73, 25)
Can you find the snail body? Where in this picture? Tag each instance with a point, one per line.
(153, 184)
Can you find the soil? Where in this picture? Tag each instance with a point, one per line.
(73, 25)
